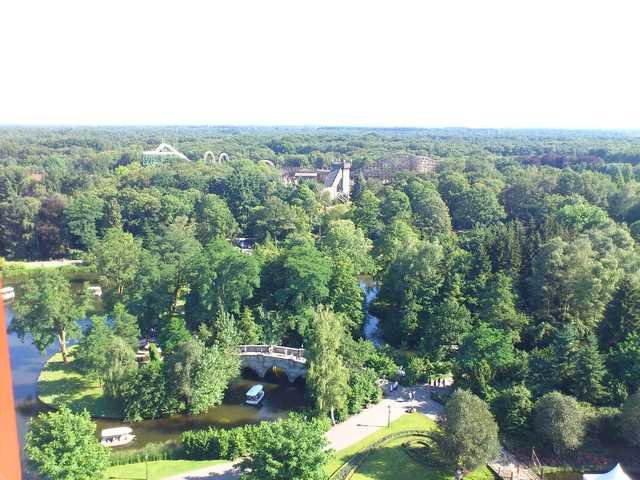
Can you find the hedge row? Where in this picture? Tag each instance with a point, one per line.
(214, 443)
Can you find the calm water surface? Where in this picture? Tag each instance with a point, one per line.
(280, 398)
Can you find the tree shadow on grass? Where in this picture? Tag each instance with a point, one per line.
(391, 462)
(120, 477)
(230, 475)
(61, 390)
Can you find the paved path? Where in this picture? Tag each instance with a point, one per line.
(222, 471)
(394, 404)
(344, 434)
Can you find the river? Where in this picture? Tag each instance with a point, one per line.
(371, 329)
(280, 398)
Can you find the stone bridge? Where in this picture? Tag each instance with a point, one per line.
(262, 358)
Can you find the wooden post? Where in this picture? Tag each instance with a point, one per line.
(9, 448)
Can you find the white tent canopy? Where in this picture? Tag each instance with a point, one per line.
(616, 474)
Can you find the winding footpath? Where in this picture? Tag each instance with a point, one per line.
(345, 434)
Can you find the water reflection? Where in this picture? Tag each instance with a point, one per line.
(371, 328)
(281, 398)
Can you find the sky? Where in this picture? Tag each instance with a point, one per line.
(446, 63)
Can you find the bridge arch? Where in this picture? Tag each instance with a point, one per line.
(264, 358)
(209, 156)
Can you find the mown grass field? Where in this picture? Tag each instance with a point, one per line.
(391, 462)
(157, 470)
(62, 384)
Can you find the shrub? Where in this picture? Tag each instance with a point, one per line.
(214, 443)
(62, 445)
(630, 419)
(418, 370)
(294, 448)
(363, 390)
(602, 423)
(512, 408)
(470, 433)
(153, 452)
(559, 421)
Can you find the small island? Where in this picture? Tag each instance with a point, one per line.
(63, 384)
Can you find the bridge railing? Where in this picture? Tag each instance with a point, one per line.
(273, 349)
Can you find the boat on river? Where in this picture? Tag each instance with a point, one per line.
(255, 395)
(114, 437)
(8, 293)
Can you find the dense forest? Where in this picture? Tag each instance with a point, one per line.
(514, 266)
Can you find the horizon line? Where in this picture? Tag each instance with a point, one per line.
(310, 126)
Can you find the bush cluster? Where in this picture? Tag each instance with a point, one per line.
(214, 443)
(153, 452)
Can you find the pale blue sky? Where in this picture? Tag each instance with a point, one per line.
(480, 63)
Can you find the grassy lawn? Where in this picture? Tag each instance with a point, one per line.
(391, 462)
(411, 421)
(157, 470)
(61, 384)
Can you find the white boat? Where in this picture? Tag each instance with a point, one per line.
(8, 293)
(255, 395)
(114, 437)
(96, 290)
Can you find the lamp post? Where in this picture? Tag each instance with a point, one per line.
(388, 415)
(146, 466)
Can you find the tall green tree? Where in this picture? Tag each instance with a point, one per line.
(49, 311)
(624, 360)
(92, 350)
(82, 216)
(513, 407)
(485, 354)
(497, 305)
(294, 448)
(223, 275)
(214, 219)
(63, 445)
(116, 257)
(430, 213)
(559, 421)
(589, 372)
(215, 369)
(630, 420)
(470, 432)
(125, 325)
(304, 277)
(277, 219)
(571, 284)
(345, 240)
(327, 376)
(122, 367)
(366, 213)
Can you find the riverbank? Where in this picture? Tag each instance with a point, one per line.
(18, 272)
(158, 470)
(387, 461)
(62, 383)
(57, 384)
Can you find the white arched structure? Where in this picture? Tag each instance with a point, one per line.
(263, 358)
(267, 162)
(162, 152)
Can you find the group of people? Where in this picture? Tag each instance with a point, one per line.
(438, 382)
